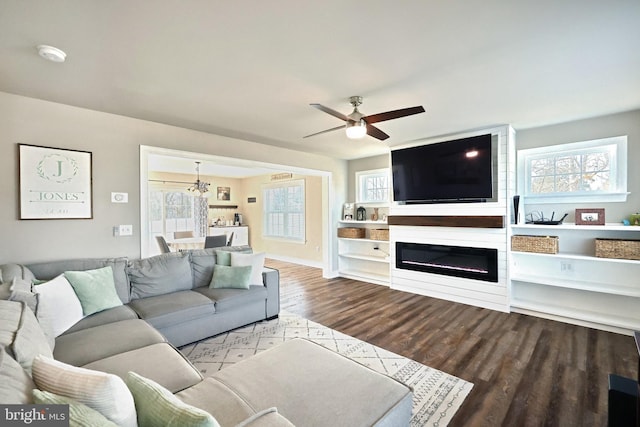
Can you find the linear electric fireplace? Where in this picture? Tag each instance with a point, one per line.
(458, 261)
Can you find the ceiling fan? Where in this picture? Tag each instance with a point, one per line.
(358, 125)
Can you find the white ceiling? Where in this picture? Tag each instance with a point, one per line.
(250, 68)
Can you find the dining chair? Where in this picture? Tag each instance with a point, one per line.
(164, 247)
(182, 234)
(215, 241)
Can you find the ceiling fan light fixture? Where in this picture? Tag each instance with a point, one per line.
(356, 130)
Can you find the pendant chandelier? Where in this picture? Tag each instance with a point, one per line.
(200, 188)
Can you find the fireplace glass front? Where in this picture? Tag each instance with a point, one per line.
(458, 261)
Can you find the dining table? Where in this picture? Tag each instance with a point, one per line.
(186, 243)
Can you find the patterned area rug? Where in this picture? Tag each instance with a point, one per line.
(436, 395)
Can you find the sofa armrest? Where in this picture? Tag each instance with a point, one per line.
(271, 279)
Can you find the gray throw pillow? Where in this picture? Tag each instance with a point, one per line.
(16, 385)
(30, 341)
(21, 292)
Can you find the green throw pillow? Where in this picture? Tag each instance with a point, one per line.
(223, 258)
(79, 413)
(231, 277)
(157, 406)
(96, 289)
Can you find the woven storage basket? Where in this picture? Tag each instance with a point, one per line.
(379, 234)
(537, 244)
(618, 248)
(351, 232)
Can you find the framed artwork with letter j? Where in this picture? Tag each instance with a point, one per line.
(55, 183)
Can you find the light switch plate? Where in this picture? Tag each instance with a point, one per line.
(119, 197)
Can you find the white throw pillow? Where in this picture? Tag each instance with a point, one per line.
(106, 393)
(256, 261)
(58, 306)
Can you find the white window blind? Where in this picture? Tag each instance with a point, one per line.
(284, 210)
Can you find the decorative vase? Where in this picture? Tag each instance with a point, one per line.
(374, 215)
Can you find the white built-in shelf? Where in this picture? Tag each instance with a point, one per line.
(363, 257)
(576, 257)
(355, 239)
(590, 317)
(571, 226)
(366, 222)
(378, 279)
(605, 288)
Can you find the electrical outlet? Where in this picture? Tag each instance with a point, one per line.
(566, 267)
(125, 230)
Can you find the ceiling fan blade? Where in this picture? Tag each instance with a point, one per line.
(328, 110)
(376, 133)
(395, 114)
(325, 131)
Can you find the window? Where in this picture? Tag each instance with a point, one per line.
(578, 172)
(283, 211)
(372, 186)
(170, 211)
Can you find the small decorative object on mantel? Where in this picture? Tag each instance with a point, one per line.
(594, 216)
(347, 212)
(361, 214)
(374, 215)
(634, 219)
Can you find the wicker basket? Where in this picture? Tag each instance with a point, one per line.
(351, 232)
(379, 234)
(537, 244)
(618, 248)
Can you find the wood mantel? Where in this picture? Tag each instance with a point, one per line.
(495, 221)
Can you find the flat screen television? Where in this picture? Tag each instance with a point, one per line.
(461, 170)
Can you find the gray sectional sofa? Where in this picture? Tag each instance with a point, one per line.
(167, 302)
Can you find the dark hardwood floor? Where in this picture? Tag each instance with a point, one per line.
(526, 371)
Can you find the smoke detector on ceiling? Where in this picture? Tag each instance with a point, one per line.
(51, 53)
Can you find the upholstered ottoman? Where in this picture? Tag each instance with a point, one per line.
(308, 384)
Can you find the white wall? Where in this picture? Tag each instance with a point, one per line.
(114, 141)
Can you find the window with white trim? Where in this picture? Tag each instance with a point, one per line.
(284, 211)
(588, 171)
(373, 186)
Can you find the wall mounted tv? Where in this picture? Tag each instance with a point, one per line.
(462, 170)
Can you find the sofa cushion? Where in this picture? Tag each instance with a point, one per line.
(51, 269)
(10, 314)
(226, 299)
(29, 341)
(79, 413)
(351, 394)
(217, 399)
(170, 368)
(16, 384)
(256, 261)
(160, 275)
(96, 289)
(177, 307)
(157, 406)
(266, 418)
(231, 277)
(21, 291)
(58, 306)
(9, 271)
(88, 345)
(115, 314)
(223, 257)
(106, 393)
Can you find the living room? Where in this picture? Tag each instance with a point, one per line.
(563, 75)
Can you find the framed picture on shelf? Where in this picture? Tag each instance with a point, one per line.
(55, 183)
(594, 216)
(347, 211)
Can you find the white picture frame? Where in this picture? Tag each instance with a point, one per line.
(55, 183)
